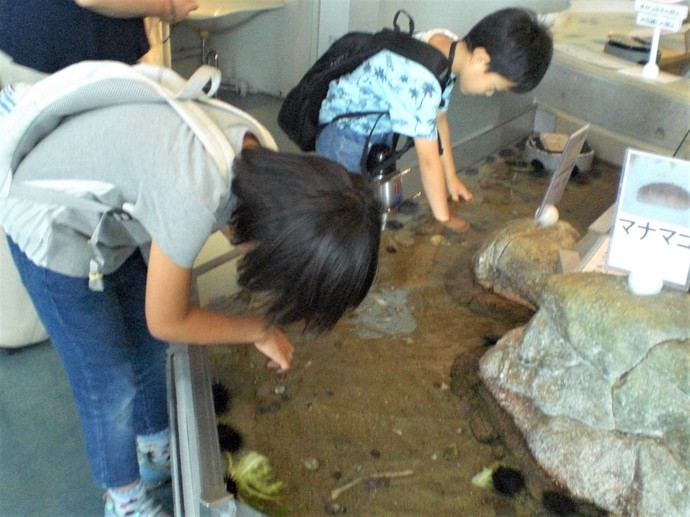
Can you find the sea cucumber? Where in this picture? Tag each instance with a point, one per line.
(664, 194)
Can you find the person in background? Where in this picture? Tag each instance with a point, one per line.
(310, 232)
(38, 37)
(509, 50)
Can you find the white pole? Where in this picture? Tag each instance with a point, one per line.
(651, 69)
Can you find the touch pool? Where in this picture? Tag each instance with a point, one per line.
(388, 410)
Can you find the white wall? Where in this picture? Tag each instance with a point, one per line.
(273, 51)
(334, 20)
(456, 15)
(270, 52)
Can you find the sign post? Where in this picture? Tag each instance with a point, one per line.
(547, 213)
(662, 14)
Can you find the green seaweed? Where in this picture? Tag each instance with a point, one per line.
(256, 482)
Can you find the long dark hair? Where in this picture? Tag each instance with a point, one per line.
(316, 232)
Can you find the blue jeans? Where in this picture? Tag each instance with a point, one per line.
(345, 146)
(116, 369)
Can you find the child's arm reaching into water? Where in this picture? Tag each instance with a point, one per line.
(171, 316)
(456, 188)
(435, 182)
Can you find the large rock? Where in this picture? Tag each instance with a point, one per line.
(516, 260)
(599, 384)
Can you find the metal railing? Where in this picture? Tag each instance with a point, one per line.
(198, 483)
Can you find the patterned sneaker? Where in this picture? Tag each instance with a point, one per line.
(141, 504)
(153, 474)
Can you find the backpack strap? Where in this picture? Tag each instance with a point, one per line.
(404, 44)
(416, 50)
(39, 108)
(410, 22)
(395, 152)
(95, 84)
(451, 53)
(181, 96)
(193, 103)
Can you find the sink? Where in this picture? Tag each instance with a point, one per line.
(223, 15)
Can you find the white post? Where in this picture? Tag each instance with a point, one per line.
(651, 69)
(659, 14)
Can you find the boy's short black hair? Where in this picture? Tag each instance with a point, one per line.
(316, 232)
(520, 47)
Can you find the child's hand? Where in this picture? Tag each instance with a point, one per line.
(457, 190)
(457, 225)
(277, 348)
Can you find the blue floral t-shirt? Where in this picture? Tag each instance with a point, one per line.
(405, 90)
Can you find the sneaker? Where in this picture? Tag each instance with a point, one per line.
(153, 474)
(142, 505)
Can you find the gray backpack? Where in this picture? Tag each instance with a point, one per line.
(30, 112)
(40, 107)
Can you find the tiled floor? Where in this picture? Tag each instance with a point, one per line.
(43, 467)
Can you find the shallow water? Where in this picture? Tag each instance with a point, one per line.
(393, 389)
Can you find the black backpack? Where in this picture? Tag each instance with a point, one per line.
(299, 113)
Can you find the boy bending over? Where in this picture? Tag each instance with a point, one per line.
(508, 50)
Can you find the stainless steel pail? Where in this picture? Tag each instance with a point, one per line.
(388, 189)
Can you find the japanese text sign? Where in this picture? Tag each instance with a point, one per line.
(651, 227)
(666, 16)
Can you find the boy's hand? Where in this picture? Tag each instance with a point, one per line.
(457, 225)
(457, 190)
(277, 348)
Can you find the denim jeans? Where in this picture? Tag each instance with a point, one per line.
(116, 369)
(345, 146)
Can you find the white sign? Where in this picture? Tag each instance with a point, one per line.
(666, 16)
(661, 22)
(560, 177)
(666, 10)
(651, 228)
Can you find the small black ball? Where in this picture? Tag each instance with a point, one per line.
(230, 440)
(538, 169)
(508, 481)
(491, 340)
